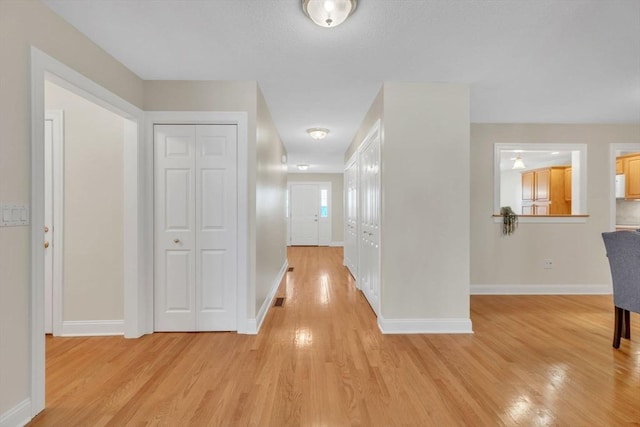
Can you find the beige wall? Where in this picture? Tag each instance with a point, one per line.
(93, 207)
(576, 249)
(25, 23)
(425, 201)
(271, 184)
(179, 95)
(337, 198)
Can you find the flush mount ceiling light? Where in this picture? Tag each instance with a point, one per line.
(317, 133)
(328, 13)
(518, 164)
(303, 167)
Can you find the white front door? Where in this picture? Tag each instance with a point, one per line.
(195, 227)
(369, 205)
(304, 202)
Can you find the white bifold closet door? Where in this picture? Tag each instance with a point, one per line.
(195, 227)
(351, 218)
(369, 218)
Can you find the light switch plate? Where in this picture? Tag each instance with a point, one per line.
(14, 215)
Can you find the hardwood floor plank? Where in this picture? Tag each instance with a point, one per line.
(320, 360)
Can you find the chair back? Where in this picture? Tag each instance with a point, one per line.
(623, 251)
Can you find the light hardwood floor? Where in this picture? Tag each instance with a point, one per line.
(320, 360)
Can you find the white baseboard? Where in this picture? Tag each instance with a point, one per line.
(541, 289)
(17, 416)
(255, 324)
(336, 244)
(424, 326)
(86, 328)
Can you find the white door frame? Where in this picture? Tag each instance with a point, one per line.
(45, 67)
(240, 119)
(57, 226)
(613, 148)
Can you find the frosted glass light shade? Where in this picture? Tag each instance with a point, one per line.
(328, 13)
(317, 133)
(303, 167)
(518, 164)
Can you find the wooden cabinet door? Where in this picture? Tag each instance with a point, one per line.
(632, 174)
(619, 166)
(543, 180)
(528, 183)
(528, 210)
(567, 184)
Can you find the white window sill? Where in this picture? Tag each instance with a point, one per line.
(546, 219)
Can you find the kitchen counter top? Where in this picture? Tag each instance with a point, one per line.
(627, 227)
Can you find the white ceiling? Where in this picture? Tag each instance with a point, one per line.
(525, 60)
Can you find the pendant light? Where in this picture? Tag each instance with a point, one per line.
(518, 163)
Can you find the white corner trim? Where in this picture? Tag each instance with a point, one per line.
(336, 244)
(541, 289)
(87, 328)
(254, 325)
(19, 415)
(425, 326)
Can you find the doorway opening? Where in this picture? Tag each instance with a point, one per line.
(83, 232)
(46, 70)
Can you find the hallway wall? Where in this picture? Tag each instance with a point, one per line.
(425, 205)
(24, 24)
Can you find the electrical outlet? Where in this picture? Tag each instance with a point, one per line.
(548, 264)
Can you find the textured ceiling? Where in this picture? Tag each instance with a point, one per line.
(527, 61)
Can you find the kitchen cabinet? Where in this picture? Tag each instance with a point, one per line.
(632, 176)
(544, 191)
(629, 165)
(528, 182)
(567, 184)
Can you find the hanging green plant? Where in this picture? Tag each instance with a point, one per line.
(509, 220)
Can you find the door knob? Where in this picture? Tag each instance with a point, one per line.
(46, 245)
(46, 229)
(176, 240)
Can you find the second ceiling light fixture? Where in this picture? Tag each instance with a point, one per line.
(317, 133)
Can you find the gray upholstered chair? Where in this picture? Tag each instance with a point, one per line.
(623, 251)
